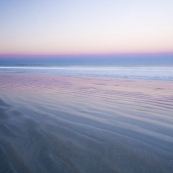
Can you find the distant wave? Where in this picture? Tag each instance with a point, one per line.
(148, 73)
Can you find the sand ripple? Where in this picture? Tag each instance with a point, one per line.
(56, 124)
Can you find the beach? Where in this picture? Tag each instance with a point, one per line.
(84, 124)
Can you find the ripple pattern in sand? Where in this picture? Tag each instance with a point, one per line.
(53, 124)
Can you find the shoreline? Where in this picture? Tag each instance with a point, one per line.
(71, 124)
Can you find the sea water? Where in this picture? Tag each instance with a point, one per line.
(147, 73)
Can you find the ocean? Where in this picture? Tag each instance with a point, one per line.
(86, 119)
(148, 73)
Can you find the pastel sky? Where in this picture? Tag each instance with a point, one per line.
(50, 27)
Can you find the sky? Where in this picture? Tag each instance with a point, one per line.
(84, 27)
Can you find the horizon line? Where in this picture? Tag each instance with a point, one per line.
(85, 54)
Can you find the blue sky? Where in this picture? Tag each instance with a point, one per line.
(33, 27)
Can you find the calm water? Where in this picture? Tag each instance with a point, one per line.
(81, 120)
(149, 73)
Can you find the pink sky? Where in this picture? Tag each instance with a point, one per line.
(85, 27)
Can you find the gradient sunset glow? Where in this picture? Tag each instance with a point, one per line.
(40, 27)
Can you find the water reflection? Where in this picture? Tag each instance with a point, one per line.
(74, 124)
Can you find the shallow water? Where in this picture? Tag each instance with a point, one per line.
(52, 123)
(146, 73)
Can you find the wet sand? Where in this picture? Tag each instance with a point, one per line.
(50, 123)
